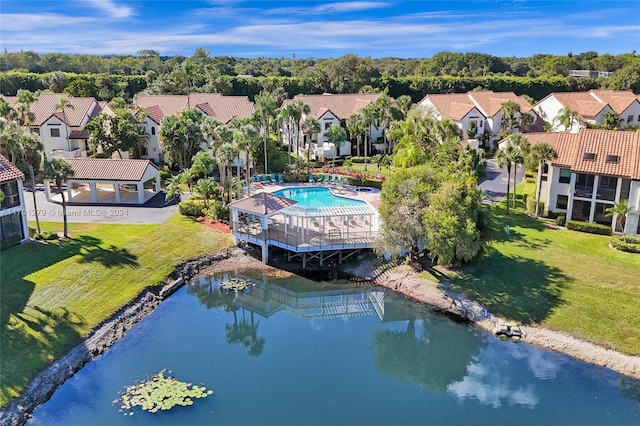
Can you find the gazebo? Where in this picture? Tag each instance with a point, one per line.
(319, 233)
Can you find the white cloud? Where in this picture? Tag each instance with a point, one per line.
(110, 8)
(32, 22)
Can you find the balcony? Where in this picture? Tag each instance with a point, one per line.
(583, 191)
(607, 194)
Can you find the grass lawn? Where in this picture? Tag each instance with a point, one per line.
(562, 279)
(54, 293)
(372, 168)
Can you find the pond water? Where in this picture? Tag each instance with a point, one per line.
(296, 352)
(314, 197)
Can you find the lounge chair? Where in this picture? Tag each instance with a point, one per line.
(280, 179)
(334, 178)
(319, 178)
(326, 178)
(264, 179)
(273, 178)
(311, 180)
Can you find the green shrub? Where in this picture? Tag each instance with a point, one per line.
(591, 228)
(191, 208)
(632, 245)
(217, 211)
(531, 205)
(553, 214)
(46, 236)
(355, 159)
(372, 183)
(561, 219)
(530, 180)
(530, 174)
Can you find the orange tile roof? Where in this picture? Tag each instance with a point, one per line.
(262, 203)
(536, 138)
(342, 106)
(224, 108)
(43, 108)
(451, 105)
(490, 102)
(571, 147)
(581, 102)
(8, 171)
(109, 169)
(618, 100)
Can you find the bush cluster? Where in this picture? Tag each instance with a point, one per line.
(530, 203)
(217, 211)
(561, 219)
(591, 228)
(632, 245)
(46, 236)
(191, 208)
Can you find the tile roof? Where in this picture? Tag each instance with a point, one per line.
(224, 108)
(109, 169)
(618, 100)
(342, 106)
(262, 203)
(8, 171)
(79, 134)
(451, 105)
(43, 108)
(581, 102)
(536, 138)
(570, 148)
(490, 102)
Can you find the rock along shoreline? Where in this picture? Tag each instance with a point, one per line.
(400, 278)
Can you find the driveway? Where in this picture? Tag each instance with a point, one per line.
(154, 211)
(495, 184)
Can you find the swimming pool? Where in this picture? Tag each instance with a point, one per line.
(316, 197)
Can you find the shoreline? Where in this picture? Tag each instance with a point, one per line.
(401, 278)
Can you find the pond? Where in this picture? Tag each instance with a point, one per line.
(296, 352)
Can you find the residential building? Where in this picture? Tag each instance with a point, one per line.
(13, 218)
(334, 110)
(590, 108)
(157, 107)
(62, 129)
(594, 170)
(479, 110)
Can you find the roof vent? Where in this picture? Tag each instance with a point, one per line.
(612, 159)
(589, 156)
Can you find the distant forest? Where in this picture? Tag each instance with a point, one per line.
(109, 77)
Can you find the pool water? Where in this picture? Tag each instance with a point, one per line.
(316, 197)
(294, 352)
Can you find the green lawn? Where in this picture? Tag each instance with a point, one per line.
(562, 279)
(54, 293)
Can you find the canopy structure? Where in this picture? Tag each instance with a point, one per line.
(310, 233)
(109, 181)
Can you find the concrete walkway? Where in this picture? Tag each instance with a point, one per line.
(150, 213)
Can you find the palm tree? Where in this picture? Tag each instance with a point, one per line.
(225, 155)
(566, 117)
(620, 211)
(521, 145)
(31, 150)
(611, 120)
(523, 121)
(336, 135)
(505, 157)
(174, 189)
(290, 115)
(540, 154)
(509, 110)
(369, 117)
(62, 105)
(355, 125)
(59, 171)
(266, 104)
(310, 127)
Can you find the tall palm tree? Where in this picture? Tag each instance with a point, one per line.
(290, 115)
(59, 171)
(225, 155)
(266, 104)
(510, 110)
(336, 135)
(356, 127)
(31, 151)
(540, 154)
(369, 117)
(521, 145)
(63, 104)
(523, 121)
(505, 157)
(310, 127)
(620, 210)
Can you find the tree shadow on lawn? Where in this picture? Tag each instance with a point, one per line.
(110, 258)
(31, 339)
(513, 287)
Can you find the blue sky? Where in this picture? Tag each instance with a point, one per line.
(376, 28)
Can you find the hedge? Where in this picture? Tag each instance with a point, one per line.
(561, 219)
(632, 245)
(191, 208)
(531, 205)
(591, 228)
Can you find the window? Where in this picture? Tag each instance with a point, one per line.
(565, 176)
(327, 125)
(629, 118)
(11, 194)
(589, 156)
(612, 158)
(481, 124)
(153, 130)
(35, 130)
(545, 172)
(55, 132)
(562, 201)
